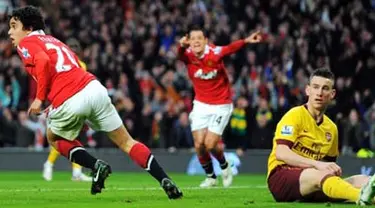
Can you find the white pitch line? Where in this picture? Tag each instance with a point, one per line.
(126, 189)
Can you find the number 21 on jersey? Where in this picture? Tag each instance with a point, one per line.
(62, 52)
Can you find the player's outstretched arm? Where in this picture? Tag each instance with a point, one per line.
(255, 37)
(233, 47)
(183, 45)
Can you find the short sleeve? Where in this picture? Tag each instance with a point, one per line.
(287, 129)
(27, 50)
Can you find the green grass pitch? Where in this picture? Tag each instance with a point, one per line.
(28, 189)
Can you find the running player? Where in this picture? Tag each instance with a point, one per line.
(76, 97)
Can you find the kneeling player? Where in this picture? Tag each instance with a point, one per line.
(301, 166)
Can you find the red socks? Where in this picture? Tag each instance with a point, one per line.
(141, 154)
(205, 158)
(66, 147)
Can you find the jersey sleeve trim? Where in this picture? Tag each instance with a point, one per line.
(285, 142)
(329, 159)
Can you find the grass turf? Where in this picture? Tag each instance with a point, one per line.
(28, 189)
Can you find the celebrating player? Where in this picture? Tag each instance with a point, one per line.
(77, 174)
(301, 166)
(212, 104)
(75, 96)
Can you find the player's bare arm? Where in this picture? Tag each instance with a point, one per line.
(255, 37)
(35, 107)
(233, 47)
(284, 153)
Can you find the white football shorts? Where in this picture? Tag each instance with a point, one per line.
(91, 105)
(213, 117)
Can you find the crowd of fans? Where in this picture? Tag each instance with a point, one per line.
(131, 47)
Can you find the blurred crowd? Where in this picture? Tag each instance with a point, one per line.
(131, 47)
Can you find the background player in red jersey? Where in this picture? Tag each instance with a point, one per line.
(213, 103)
(75, 96)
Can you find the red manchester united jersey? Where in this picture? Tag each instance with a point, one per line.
(54, 67)
(208, 74)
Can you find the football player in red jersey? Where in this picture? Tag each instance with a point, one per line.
(77, 174)
(212, 103)
(76, 97)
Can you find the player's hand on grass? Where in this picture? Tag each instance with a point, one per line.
(332, 167)
(35, 107)
(184, 42)
(255, 37)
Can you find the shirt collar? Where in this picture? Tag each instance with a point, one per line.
(36, 32)
(206, 51)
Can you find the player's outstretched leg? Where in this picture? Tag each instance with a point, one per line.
(142, 155)
(226, 171)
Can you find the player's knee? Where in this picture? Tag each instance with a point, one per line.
(199, 146)
(210, 145)
(323, 176)
(210, 148)
(320, 178)
(122, 138)
(219, 146)
(312, 179)
(211, 142)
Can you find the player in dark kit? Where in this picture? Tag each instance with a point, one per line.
(76, 97)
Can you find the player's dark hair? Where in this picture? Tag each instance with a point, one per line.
(322, 72)
(197, 28)
(30, 16)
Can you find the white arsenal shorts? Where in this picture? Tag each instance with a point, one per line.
(213, 117)
(91, 105)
